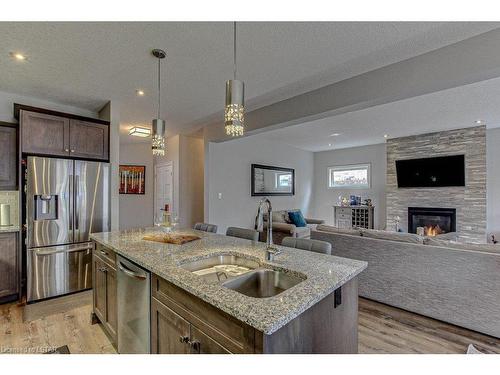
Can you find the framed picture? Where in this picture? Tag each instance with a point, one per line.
(132, 179)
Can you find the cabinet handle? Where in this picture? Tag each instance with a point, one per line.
(195, 345)
(183, 339)
(103, 252)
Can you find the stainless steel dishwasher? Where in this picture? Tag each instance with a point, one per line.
(134, 293)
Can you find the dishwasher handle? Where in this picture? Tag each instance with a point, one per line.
(129, 272)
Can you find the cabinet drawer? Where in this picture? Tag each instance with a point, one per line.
(234, 335)
(342, 216)
(105, 254)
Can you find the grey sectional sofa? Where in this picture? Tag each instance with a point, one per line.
(455, 283)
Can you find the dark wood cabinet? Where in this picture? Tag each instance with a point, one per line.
(104, 289)
(201, 343)
(8, 156)
(328, 327)
(89, 140)
(9, 266)
(170, 332)
(44, 134)
(53, 134)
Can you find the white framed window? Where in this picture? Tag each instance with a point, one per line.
(356, 176)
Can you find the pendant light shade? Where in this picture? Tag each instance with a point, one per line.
(158, 139)
(234, 112)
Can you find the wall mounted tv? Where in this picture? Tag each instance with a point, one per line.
(431, 172)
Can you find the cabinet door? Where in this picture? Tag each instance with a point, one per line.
(203, 344)
(111, 302)
(44, 134)
(89, 140)
(169, 332)
(8, 264)
(8, 158)
(99, 282)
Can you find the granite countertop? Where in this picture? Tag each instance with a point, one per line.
(9, 229)
(324, 273)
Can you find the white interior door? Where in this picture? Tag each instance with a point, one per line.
(163, 187)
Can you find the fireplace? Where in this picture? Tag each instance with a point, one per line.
(434, 221)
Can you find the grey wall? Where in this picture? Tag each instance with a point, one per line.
(325, 198)
(191, 187)
(137, 210)
(228, 166)
(469, 201)
(493, 181)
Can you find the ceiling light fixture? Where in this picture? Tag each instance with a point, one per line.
(137, 131)
(158, 142)
(140, 92)
(479, 122)
(386, 136)
(334, 135)
(18, 56)
(234, 113)
(329, 144)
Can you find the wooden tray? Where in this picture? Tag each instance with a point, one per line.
(175, 239)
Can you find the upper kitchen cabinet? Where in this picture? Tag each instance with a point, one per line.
(8, 156)
(44, 134)
(88, 140)
(52, 133)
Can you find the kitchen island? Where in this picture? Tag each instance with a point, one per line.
(190, 313)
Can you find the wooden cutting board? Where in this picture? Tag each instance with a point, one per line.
(175, 239)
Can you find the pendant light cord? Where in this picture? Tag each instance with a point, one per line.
(159, 87)
(234, 49)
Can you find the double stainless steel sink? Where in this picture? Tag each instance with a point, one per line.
(243, 275)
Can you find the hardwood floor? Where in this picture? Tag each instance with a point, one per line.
(52, 324)
(382, 329)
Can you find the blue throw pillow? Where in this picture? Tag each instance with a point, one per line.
(297, 218)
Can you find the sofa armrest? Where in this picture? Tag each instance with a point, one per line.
(282, 227)
(315, 221)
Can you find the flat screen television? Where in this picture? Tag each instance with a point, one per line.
(431, 172)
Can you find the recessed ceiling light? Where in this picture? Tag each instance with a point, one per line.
(479, 122)
(137, 131)
(18, 56)
(140, 92)
(329, 144)
(334, 135)
(386, 135)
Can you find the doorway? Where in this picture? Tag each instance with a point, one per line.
(164, 191)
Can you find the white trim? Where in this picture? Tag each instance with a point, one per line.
(335, 168)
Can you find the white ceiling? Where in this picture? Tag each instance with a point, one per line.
(444, 110)
(87, 64)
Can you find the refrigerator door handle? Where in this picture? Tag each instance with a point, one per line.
(77, 202)
(71, 187)
(42, 252)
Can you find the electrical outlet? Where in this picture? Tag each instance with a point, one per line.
(219, 195)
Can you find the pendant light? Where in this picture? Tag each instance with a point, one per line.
(234, 113)
(158, 143)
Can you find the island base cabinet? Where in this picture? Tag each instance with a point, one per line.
(169, 331)
(104, 293)
(182, 323)
(9, 267)
(328, 327)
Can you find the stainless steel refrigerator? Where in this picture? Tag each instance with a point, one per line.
(66, 201)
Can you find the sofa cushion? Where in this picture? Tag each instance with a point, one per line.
(332, 229)
(302, 232)
(297, 218)
(392, 236)
(279, 217)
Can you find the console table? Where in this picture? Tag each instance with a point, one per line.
(353, 216)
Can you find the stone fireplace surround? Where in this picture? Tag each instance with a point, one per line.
(469, 201)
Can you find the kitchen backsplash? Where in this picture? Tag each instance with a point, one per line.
(11, 198)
